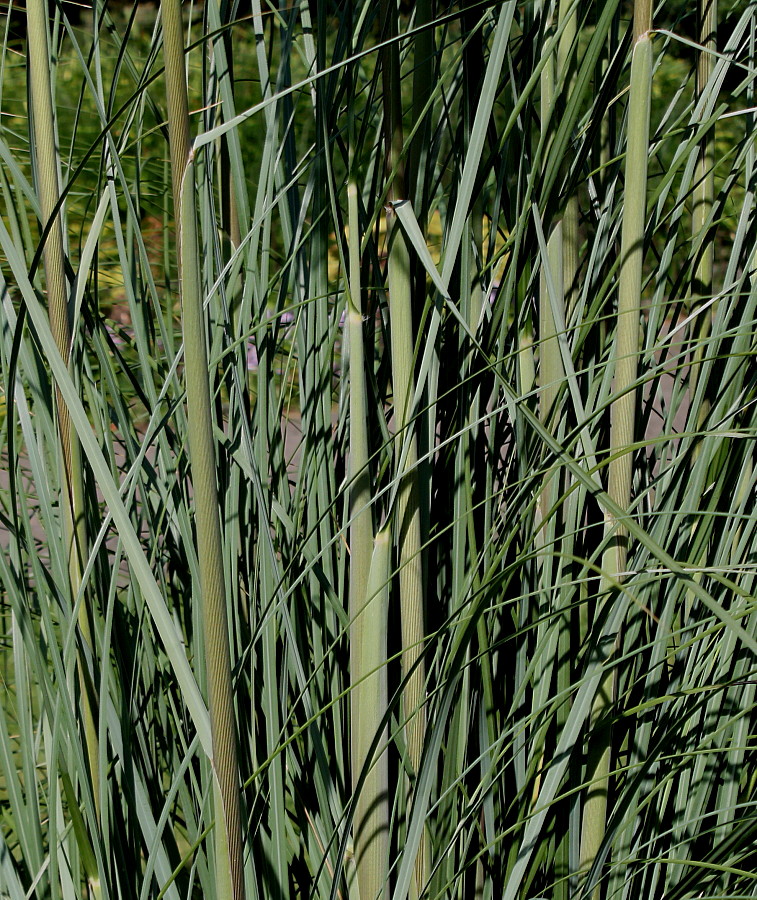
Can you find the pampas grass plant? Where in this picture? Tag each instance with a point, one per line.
(377, 433)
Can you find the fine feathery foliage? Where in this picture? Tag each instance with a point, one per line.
(377, 430)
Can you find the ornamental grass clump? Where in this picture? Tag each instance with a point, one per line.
(376, 499)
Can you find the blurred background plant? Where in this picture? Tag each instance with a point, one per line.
(475, 284)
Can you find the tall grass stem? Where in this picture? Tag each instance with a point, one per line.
(623, 410)
(72, 497)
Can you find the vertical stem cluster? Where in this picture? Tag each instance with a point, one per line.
(407, 515)
(368, 637)
(72, 493)
(226, 788)
(369, 596)
(623, 410)
(361, 526)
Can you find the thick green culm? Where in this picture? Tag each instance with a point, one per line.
(229, 854)
(372, 822)
(623, 416)
(71, 498)
(370, 568)
(376, 451)
(212, 592)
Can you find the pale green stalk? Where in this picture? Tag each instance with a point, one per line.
(623, 409)
(407, 516)
(229, 865)
(72, 492)
(228, 830)
(369, 595)
(370, 695)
